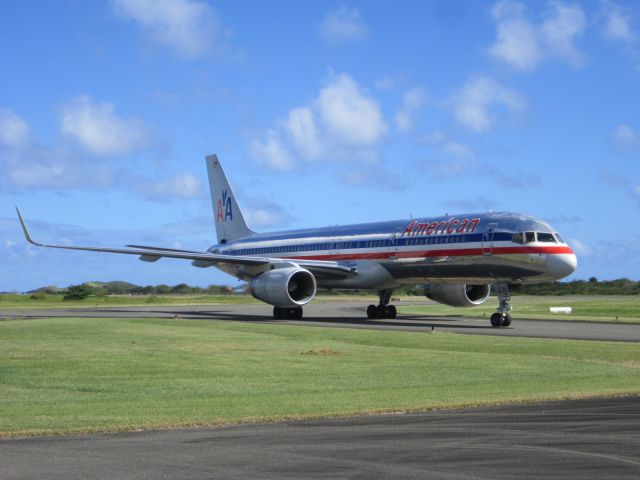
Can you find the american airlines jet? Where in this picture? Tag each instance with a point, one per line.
(455, 257)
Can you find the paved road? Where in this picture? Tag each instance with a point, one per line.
(351, 315)
(586, 439)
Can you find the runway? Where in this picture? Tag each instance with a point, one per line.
(349, 314)
(587, 439)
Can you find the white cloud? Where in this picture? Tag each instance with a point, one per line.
(451, 147)
(412, 102)
(262, 213)
(517, 39)
(473, 104)
(301, 125)
(26, 164)
(190, 27)
(580, 248)
(343, 25)
(454, 159)
(97, 128)
(626, 138)
(272, 153)
(14, 131)
(55, 169)
(471, 204)
(349, 114)
(524, 44)
(180, 185)
(379, 178)
(386, 83)
(342, 123)
(617, 22)
(458, 150)
(434, 137)
(564, 22)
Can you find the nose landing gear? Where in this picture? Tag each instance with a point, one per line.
(502, 318)
(383, 310)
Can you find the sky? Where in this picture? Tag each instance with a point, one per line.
(322, 113)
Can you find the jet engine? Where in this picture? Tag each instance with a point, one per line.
(457, 295)
(284, 287)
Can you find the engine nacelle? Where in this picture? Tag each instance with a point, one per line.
(457, 295)
(284, 287)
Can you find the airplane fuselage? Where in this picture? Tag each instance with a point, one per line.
(461, 249)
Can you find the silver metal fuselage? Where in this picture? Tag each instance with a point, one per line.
(462, 249)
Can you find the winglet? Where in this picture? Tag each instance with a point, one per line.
(25, 230)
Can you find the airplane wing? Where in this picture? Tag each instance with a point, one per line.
(206, 259)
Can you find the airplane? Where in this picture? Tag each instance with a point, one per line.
(457, 258)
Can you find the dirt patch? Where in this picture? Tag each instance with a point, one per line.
(320, 351)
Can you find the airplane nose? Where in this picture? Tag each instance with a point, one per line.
(559, 266)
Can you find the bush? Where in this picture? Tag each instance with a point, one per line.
(77, 292)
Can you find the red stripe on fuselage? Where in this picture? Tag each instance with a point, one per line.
(459, 252)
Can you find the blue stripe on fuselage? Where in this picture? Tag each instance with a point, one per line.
(361, 236)
(451, 239)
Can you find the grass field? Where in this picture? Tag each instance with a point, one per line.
(604, 308)
(15, 301)
(82, 375)
(56, 301)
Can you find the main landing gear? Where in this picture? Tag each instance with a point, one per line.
(502, 318)
(287, 313)
(383, 310)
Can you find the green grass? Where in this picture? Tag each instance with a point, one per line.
(602, 308)
(82, 375)
(605, 308)
(15, 301)
(56, 301)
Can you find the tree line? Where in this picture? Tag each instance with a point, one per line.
(99, 289)
(593, 286)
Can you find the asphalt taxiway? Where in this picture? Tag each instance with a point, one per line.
(349, 314)
(586, 439)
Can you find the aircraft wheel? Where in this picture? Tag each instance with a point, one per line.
(392, 312)
(381, 311)
(506, 320)
(371, 311)
(496, 320)
(284, 313)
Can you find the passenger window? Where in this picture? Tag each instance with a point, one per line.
(529, 237)
(518, 238)
(546, 237)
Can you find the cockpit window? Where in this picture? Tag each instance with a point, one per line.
(529, 237)
(518, 237)
(559, 238)
(546, 237)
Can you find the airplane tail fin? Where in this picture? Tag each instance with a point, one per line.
(230, 223)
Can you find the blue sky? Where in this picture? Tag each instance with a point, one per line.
(322, 113)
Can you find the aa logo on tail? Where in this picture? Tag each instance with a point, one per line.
(224, 211)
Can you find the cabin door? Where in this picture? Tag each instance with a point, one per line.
(487, 239)
(393, 247)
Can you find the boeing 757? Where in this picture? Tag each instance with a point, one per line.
(456, 258)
